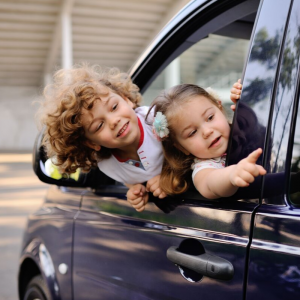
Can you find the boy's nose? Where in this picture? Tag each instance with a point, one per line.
(113, 122)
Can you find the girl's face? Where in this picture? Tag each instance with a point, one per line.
(111, 123)
(201, 129)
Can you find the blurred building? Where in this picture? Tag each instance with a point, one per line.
(41, 36)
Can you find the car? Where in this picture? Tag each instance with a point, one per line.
(86, 241)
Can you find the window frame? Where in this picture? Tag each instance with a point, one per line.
(296, 110)
(190, 27)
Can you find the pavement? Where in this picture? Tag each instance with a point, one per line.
(21, 193)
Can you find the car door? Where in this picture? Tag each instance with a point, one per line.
(122, 254)
(274, 261)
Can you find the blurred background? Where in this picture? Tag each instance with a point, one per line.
(38, 37)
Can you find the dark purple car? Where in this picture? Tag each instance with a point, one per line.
(86, 242)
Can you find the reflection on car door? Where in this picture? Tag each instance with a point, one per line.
(274, 265)
(121, 254)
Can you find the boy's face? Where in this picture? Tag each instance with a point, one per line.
(111, 123)
(202, 129)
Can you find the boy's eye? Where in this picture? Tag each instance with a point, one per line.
(114, 106)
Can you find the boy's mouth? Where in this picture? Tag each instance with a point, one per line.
(122, 129)
(215, 141)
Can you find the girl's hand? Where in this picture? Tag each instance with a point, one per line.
(247, 169)
(138, 197)
(153, 186)
(235, 93)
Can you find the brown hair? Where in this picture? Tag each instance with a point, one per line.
(71, 91)
(176, 171)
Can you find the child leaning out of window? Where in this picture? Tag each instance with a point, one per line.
(194, 132)
(92, 117)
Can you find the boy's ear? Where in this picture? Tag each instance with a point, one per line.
(92, 145)
(180, 148)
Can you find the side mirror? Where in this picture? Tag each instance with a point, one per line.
(48, 173)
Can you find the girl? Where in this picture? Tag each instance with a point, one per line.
(194, 132)
(92, 117)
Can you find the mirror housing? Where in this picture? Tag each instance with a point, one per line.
(93, 179)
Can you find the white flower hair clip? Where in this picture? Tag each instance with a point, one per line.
(214, 94)
(160, 126)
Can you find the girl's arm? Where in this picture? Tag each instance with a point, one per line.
(217, 183)
(153, 186)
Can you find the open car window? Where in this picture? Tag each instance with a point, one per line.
(216, 61)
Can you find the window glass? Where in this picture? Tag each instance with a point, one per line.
(282, 111)
(216, 61)
(283, 104)
(295, 166)
(255, 103)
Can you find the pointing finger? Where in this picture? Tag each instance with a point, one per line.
(253, 157)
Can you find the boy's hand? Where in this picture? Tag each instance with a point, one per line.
(247, 169)
(138, 197)
(153, 186)
(235, 92)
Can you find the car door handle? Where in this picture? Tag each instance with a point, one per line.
(205, 264)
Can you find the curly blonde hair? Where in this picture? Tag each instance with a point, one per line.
(71, 91)
(176, 170)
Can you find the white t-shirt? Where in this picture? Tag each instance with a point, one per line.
(150, 153)
(212, 163)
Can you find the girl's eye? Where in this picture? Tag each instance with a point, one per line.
(210, 117)
(192, 133)
(115, 107)
(99, 126)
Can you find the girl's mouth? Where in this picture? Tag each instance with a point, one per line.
(121, 131)
(215, 142)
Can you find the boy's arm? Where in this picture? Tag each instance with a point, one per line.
(217, 183)
(137, 196)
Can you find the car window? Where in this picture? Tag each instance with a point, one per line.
(294, 189)
(254, 107)
(216, 61)
(283, 103)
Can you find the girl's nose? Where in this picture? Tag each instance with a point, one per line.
(206, 132)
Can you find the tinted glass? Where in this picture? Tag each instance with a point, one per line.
(285, 92)
(295, 163)
(284, 102)
(294, 194)
(254, 106)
